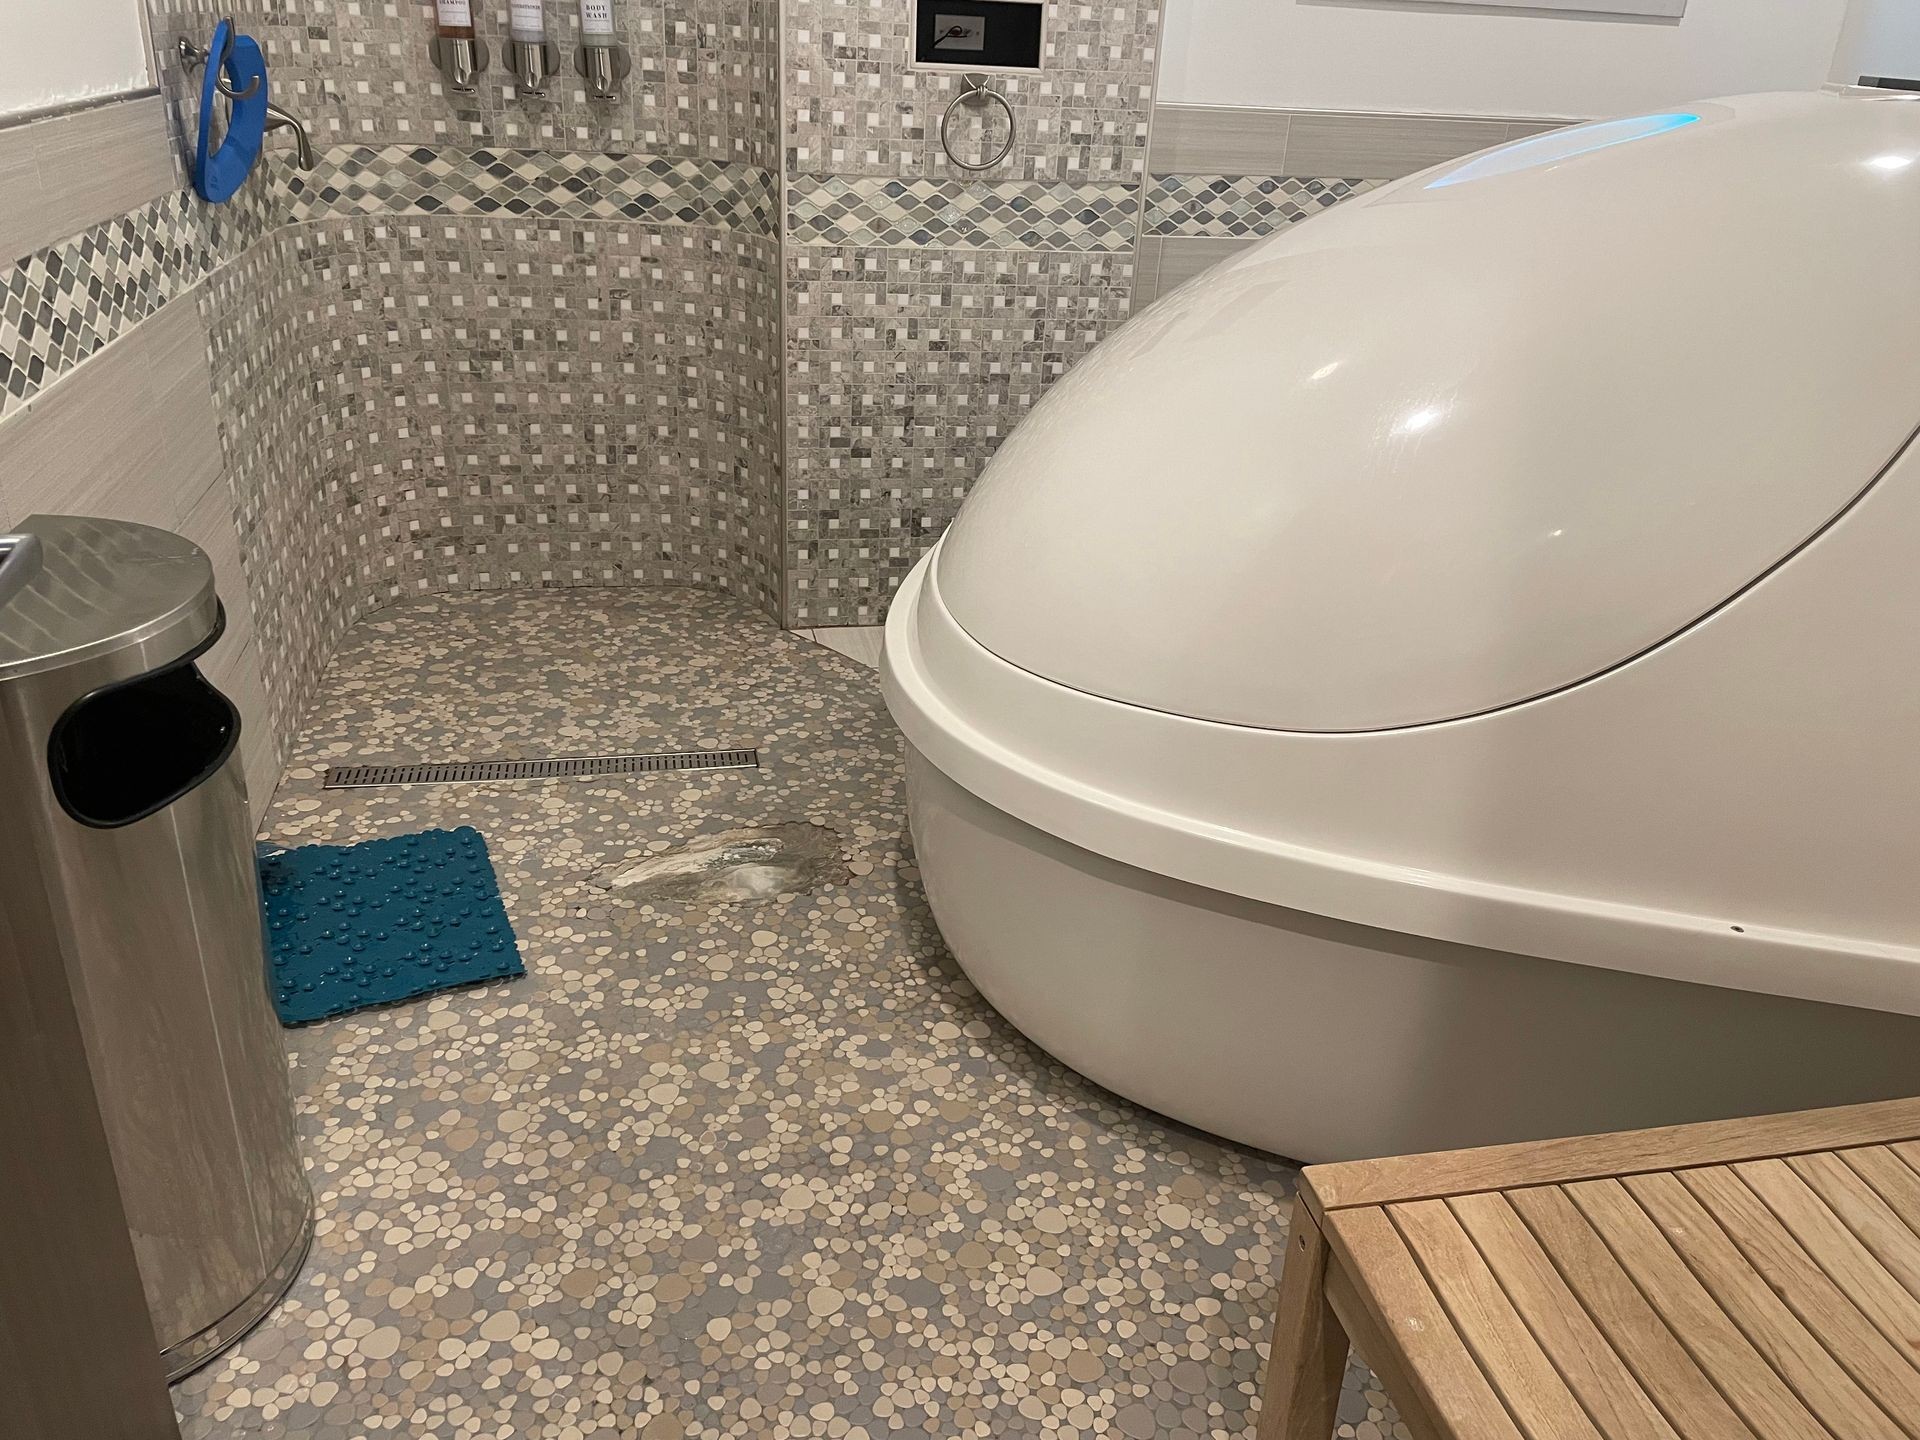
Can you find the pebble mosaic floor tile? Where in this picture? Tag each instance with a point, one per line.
(716, 1169)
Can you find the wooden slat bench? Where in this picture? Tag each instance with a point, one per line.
(1752, 1280)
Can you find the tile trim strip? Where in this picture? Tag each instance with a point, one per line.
(64, 109)
(1371, 144)
(80, 166)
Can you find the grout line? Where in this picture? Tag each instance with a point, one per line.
(1144, 179)
(784, 608)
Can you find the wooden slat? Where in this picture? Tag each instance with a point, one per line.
(1509, 1356)
(1661, 1364)
(1716, 1344)
(1740, 1280)
(1606, 1388)
(1307, 1361)
(1749, 1301)
(1909, 1151)
(1382, 1354)
(1837, 1251)
(1793, 1275)
(1554, 1162)
(1441, 1375)
(1891, 1178)
(1862, 1211)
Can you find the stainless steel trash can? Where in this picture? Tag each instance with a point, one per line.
(126, 820)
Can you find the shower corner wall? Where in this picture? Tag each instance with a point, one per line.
(927, 309)
(494, 342)
(729, 330)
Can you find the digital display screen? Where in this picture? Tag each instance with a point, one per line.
(990, 34)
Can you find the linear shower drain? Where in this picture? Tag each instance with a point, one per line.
(345, 777)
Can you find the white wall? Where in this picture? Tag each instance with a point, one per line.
(1391, 55)
(53, 52)
(1882, 38)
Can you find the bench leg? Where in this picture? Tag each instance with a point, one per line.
(1309, 1358)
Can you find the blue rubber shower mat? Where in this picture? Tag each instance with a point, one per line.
(349, 926)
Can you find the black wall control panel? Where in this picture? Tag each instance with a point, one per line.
(978, 34)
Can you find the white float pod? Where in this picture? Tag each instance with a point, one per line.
(1451, 674)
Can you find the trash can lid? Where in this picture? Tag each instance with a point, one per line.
(97, 586)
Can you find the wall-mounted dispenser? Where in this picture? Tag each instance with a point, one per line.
(978, 35)
(601, 58)
(530, 55)
(457, 51)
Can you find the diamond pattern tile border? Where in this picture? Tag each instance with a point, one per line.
(1241, 205)
(1009, 215)
(61, 305)
(409, 179)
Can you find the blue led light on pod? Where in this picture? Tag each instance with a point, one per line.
(1557, 145)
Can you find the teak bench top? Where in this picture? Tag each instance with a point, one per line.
(1740, 1280)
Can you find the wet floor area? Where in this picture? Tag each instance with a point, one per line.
(743, 1154)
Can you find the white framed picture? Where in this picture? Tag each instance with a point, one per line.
(1654, 9)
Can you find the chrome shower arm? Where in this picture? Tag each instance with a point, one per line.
(278, 119)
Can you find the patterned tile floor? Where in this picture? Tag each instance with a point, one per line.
(768, 1169)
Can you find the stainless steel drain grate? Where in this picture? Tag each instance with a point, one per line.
(346, 777)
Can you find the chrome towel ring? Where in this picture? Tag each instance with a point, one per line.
(976, 94)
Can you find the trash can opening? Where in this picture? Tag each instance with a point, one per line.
(131, 749)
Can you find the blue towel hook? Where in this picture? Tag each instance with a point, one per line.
(236, 70)
(219, 64)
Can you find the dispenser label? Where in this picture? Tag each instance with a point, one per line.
(455, 14)
(528, 19)
(596, 17)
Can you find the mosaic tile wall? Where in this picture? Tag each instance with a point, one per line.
(492, 342)
(928, 310)
(906, 369)
(268, 349)
(613, 386)
(855, 105)
(575, 404)
(495, 342)
(704, 82)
